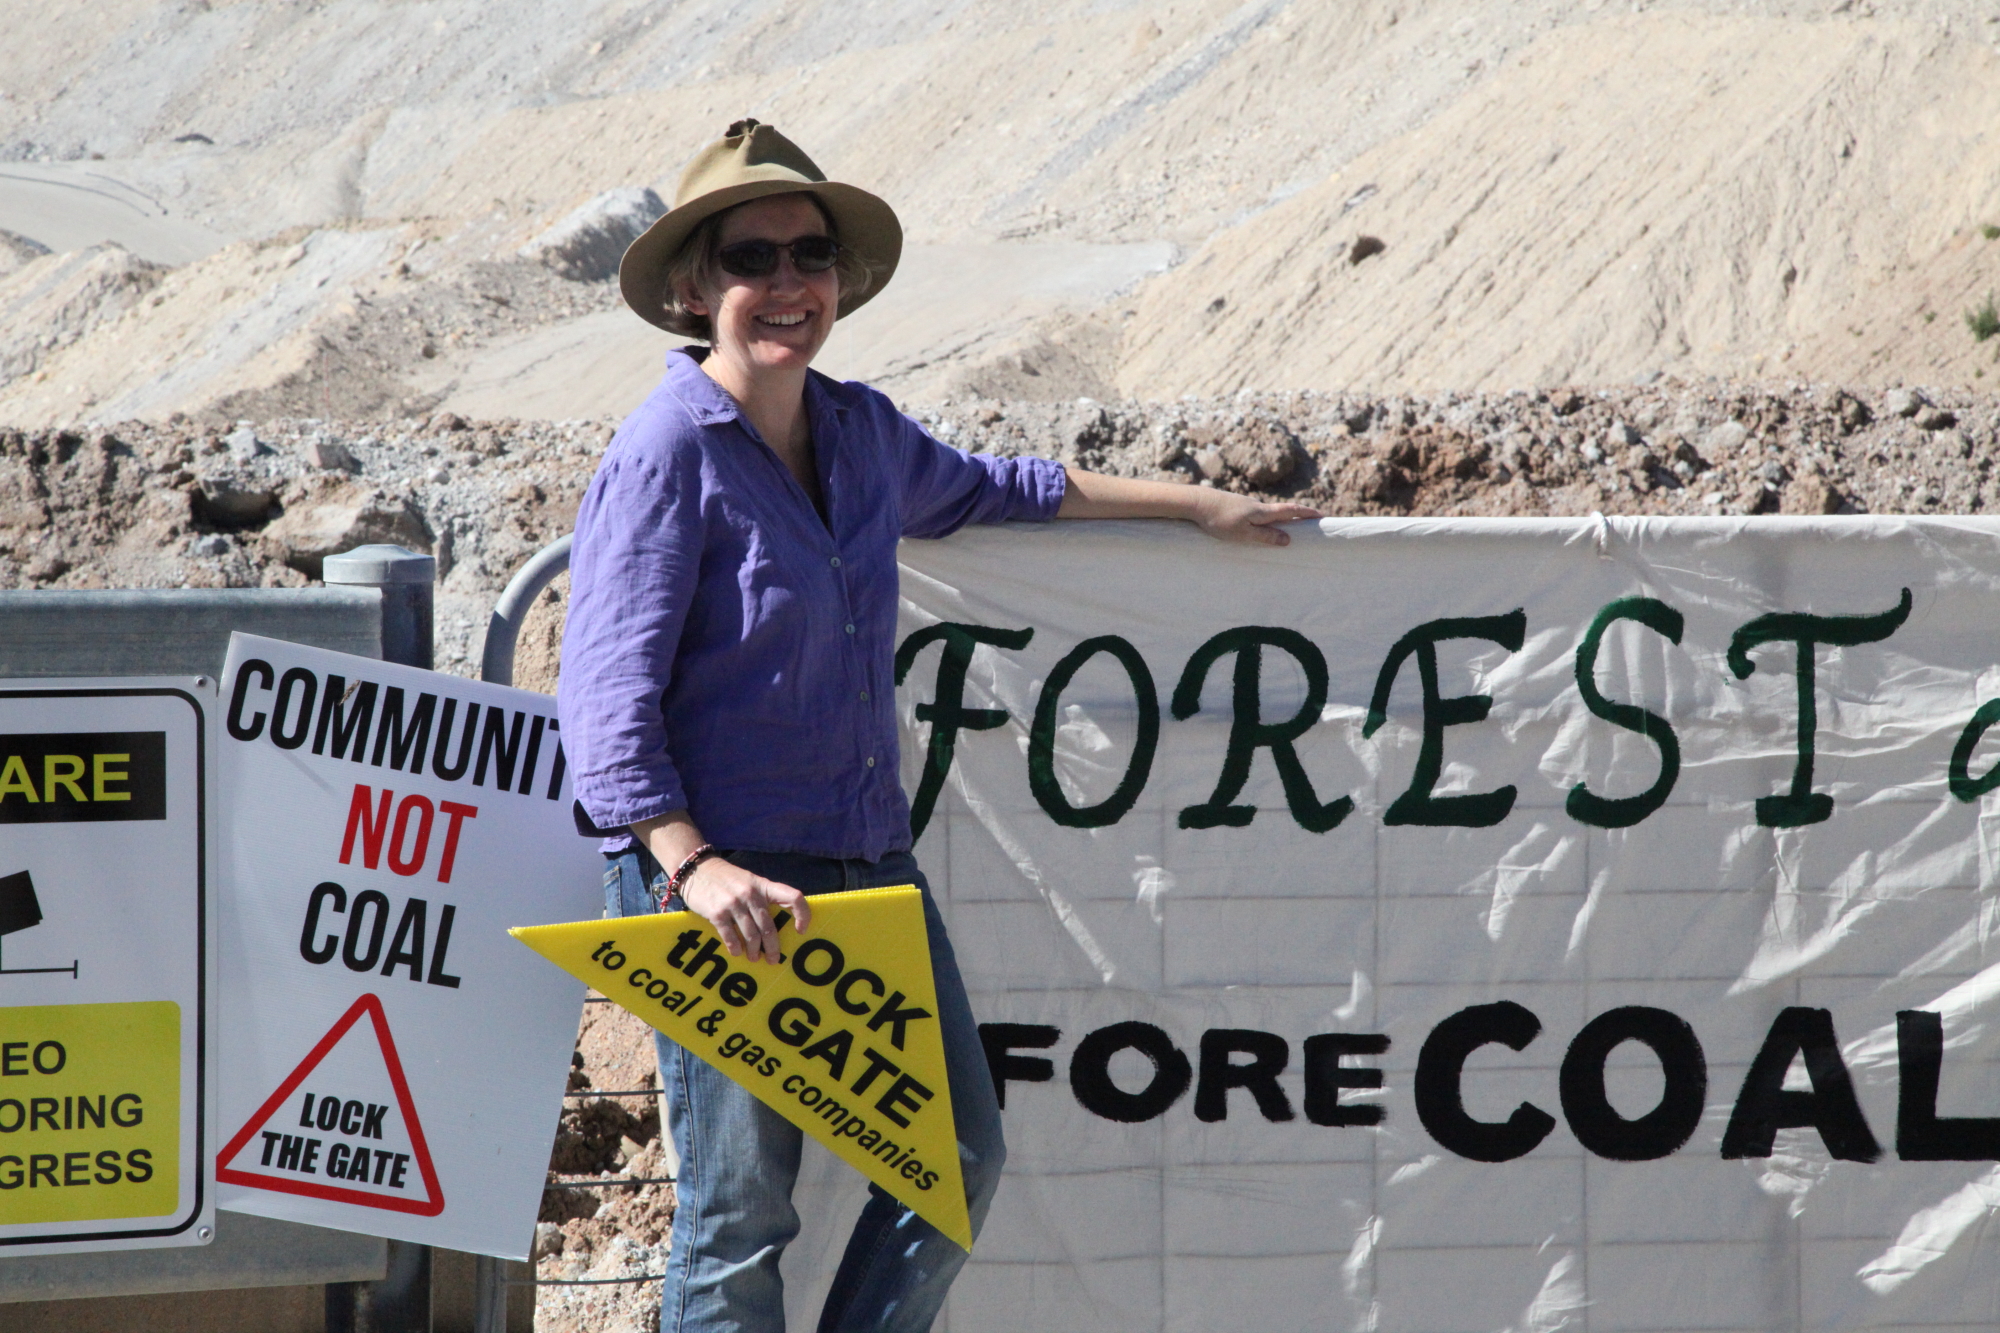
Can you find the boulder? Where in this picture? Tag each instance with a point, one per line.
(1854, 413)
(1724, 440)
(244, 445)
(587, 245)
(1263, 460)
(1902, 403)
(332, 456)
(340, 518)
(1813, 493)
(1259, 451)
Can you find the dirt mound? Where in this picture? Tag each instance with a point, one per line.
(330, 323)
(1638, 195)
(1559, 194)
(50, 302)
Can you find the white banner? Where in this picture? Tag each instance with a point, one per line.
(392, 1061)
(1466, 924)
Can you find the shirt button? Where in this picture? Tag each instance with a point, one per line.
(836, 562)
(871, 761)
(864, 696)
(850, 629)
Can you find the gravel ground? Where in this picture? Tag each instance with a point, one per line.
(177, 504)
(613, 1231)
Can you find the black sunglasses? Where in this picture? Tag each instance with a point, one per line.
(759, 259)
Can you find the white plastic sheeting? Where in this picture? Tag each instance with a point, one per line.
(1223, 1205)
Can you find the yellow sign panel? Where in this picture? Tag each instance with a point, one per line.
(90, 1098)
(841, 1038)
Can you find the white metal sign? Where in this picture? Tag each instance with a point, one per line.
(106, 1114)
(394, 1063)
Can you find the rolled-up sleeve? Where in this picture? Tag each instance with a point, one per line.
(945, 488)
(633, 571)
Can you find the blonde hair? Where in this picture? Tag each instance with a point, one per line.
(694, 265)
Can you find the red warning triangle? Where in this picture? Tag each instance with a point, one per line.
(341, 1127)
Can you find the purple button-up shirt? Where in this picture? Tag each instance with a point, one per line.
(727, 651)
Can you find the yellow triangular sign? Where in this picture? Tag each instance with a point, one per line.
(841, 1038)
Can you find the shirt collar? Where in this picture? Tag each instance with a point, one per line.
(706, 401)
(710, 404)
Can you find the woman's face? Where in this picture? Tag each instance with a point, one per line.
(778, 321)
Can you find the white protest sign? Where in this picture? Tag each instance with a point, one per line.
(106, 960)
(1457, 924)
(393, 1063)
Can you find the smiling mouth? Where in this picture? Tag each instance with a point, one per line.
(790, 319)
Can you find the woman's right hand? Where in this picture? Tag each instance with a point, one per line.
(738, 904)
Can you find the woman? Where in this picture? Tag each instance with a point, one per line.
(727, 695)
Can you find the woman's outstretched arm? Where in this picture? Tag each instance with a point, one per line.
(1221, 514)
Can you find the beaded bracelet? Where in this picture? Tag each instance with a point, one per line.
(678, 880)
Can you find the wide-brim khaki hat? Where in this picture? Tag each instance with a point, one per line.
(750, 161)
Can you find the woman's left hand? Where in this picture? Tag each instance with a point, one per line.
(1224, 515)
(1229, 517)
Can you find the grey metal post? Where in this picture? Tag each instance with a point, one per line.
(399, 1303)
(489, 1294)
(407, 580)
(503, 628)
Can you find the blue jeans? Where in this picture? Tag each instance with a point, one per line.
(739, 1158)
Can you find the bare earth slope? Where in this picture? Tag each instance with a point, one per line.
(1700, 195)
(1108, 199)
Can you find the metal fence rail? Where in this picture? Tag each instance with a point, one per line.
(503, 628)
(175, 632)
(376, 603)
